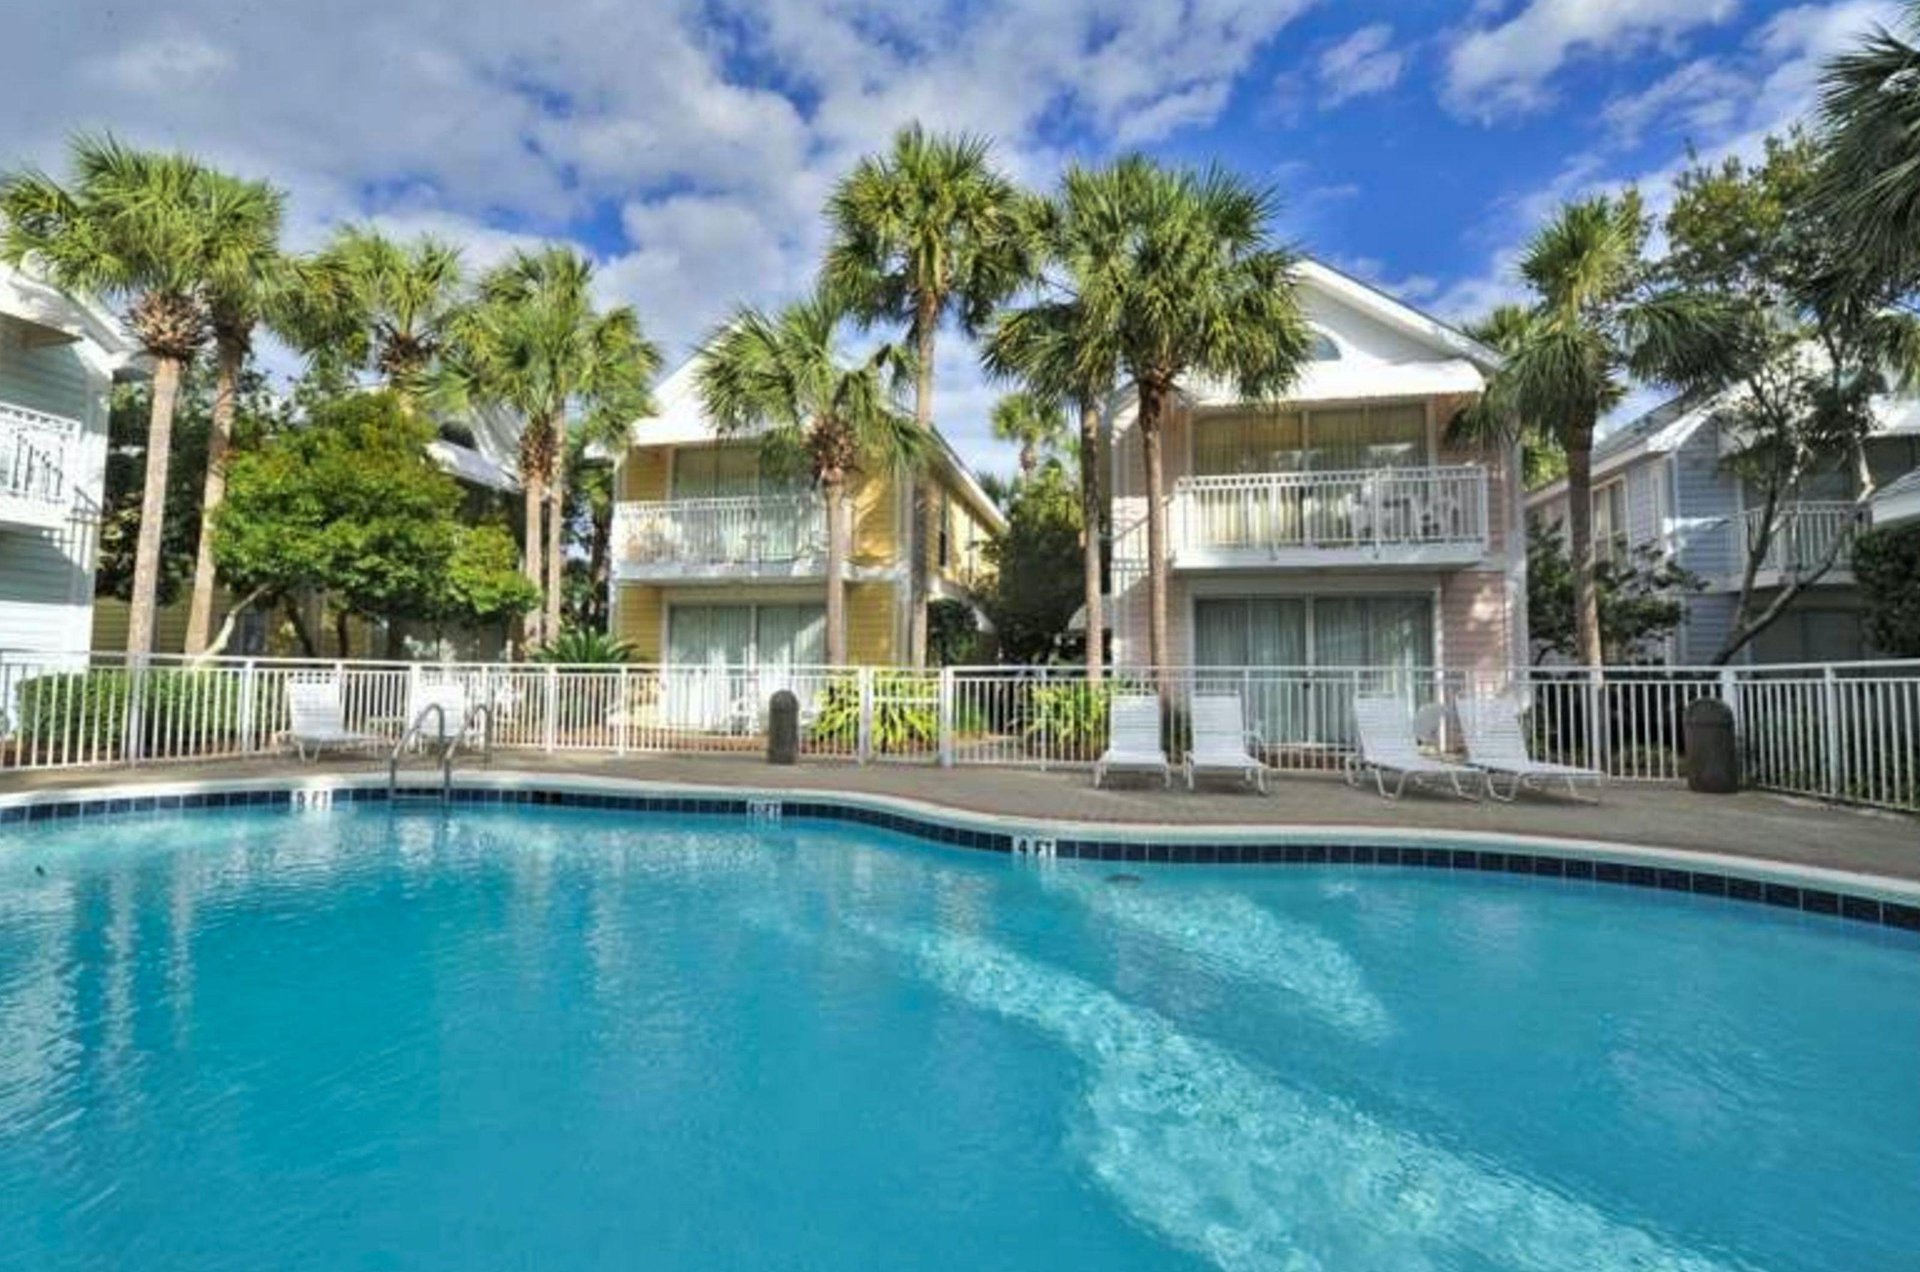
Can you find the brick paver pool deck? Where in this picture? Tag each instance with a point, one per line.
(1752, 825)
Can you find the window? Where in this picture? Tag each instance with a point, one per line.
(1392, 435)
(746, 635)
(1610, 522)
(1323, 348)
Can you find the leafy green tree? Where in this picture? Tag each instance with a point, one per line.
(1599, 319)
(926, 232)
(350, 506)
(536, 344)
(1030, 421)
(1641, 600)
(1795, 375)
(1034, 597)
(780, 378)
(1886, 562)
(1182, 272)
(953, 634)
(145, 229)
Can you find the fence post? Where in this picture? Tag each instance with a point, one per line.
(1730, 694)
(946, 717)
(1830, 729)
(619, 714)
(249, 709)
(863, 737)
(133, 739)
(1596, 719)
(553, 707)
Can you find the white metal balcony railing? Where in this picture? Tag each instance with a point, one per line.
(1361, 508)
(34, 453)
(1803, 534)
(744, 531)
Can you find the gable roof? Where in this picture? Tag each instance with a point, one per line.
(1396, 313)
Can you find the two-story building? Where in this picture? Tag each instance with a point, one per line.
(1662, 484)
(1340, 528)
(719, 561)
(58, 358)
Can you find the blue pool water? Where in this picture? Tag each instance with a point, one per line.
(544, 1039)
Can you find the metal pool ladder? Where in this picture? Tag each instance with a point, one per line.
(449, 746)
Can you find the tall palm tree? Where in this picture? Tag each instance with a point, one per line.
(928, 231)
(136, 227)
(1032, 422)
(534, 342)
(781, 379)
(1869, 192)
(1598, 321)
(248, 281)
(384, 306)
(1179, 272)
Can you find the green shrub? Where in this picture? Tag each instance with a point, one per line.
(1069, 720)
(74, 713)
(906, 712)
(581, 646)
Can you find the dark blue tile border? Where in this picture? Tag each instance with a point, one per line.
(1810, 900)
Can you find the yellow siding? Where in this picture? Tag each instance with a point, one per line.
(965, 530)
(643, 474)
(870, 623)
(638, 613)
(874, 529)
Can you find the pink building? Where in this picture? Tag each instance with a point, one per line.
(1338, 528)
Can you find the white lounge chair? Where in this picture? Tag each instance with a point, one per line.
(1222, 742)
(1497, 746)
(447, 724)
(318, 720)
(1387, 745)
(1133, 739)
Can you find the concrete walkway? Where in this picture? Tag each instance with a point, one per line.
(1755, 826)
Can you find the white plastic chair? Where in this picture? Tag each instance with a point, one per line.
(1221, 741)
(318, 719)
(1133, 739)
(1497, 746)
(1387, 745)
(449, 723)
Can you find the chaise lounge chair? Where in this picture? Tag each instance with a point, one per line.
(1496, 746)
(1133, 741)
(1222, 742)
(319, 720)
(1387, 745)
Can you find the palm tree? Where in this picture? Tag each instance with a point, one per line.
(928, 231)
(1869, 192)
(248, 281)
(136, 227)
(375, 304)
(780, 378)
(1597, 322)
(535, 343)
(1031, 421)
(1178, 273)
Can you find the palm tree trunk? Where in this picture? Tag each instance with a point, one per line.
(1153, 400)
(924, 322)
(599, 549)
(167, 372)
(1029, 458)
(1090, 538)
(556, 535)
(1586, 601)
(228, 355)
(533, 496)
(835, 489)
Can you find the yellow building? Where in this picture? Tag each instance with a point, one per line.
(716, 559)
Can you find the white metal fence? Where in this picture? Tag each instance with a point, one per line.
(1845, 731)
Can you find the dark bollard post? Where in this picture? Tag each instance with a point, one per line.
(1713, 759)
(783, 728)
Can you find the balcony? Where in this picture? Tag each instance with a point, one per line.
(1371, 517)
(36, 455)
(693, 539)
(1803, 535)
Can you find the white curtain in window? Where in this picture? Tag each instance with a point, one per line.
(708, 648)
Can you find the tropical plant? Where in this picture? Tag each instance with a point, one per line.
(373, 304)
(1034, 593)
(535, 343)
(145, 229)
(1030, 421)
(780, 379)
(1599, 318)
(904, 718)
(1642, 599)
(1068, 719)
(581, 646)
(1868, 194)
(928, 231)
(1180, 271)
(1887, 564)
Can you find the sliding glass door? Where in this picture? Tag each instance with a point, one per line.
(726, 659)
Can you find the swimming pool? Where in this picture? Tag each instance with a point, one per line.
(542, 1037)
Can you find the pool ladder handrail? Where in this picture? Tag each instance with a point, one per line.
(482, 714)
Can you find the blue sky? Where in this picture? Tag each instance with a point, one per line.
(688, 145)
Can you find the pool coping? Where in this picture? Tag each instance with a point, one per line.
(1853, 895)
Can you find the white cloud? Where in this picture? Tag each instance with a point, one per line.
(1505, 67)
(1701, 96)
(160, 65)
(1362, 64)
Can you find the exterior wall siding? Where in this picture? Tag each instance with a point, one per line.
(871, 620)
